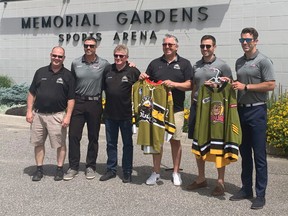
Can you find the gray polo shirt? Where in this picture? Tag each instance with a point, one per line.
(88, 76)
(255, 70)
(203, 71)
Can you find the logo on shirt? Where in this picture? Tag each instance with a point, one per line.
(59, 80)
(177, 66)
(217, 112)
(146, 109)
(124, 79)
(206, 100)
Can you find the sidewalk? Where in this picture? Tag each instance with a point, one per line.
(21, 196)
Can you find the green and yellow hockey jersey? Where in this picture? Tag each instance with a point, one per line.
(217, 133)
(152, 108)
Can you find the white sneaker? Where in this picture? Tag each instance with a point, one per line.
(153, 179)
(176, 178)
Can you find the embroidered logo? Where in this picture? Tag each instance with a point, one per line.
(59, 80)
(177, 66)
(206, 100)
(124, 79)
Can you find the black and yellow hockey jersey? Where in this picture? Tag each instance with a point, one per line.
(152, 105)
(217, 133)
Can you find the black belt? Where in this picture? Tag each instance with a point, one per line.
(39, 111)
(89, 98)
(251, 105)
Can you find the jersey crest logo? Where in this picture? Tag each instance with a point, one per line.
(146, 108)
(217, 112)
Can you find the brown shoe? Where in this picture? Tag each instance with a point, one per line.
(219, 190)
(195, 186)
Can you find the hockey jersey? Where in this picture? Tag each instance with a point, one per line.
(217, 133)
(152, 108)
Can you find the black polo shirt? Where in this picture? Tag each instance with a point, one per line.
(118, 87)
(179, 70)
(52, 90)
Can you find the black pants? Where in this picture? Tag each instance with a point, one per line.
(89, 112)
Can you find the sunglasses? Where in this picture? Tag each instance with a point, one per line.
(89, 45)
(241, 40)
(120, 56)
(55, 56)
(208, 46)
(168, 44)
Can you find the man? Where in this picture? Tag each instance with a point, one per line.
(88, 70)
(51, 93)
(203, 70)
(255, 77)
(175, 72)
(118, 79)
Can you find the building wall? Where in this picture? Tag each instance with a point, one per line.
(25, 50)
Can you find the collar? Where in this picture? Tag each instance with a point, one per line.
(210, 62)
(124, 68)
(253, 56)
(50, 68)
(84, 60)
(175, 60)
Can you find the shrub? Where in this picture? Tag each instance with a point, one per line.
(5, 82)
(15, 95)
(277, 131)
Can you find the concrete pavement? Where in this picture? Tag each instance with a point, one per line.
(21, 196)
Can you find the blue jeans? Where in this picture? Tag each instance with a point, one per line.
(254, 125)
(112, 131)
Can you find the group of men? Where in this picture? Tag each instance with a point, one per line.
(59, 98)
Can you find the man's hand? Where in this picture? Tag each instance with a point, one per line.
(143, 76)
(29, 116)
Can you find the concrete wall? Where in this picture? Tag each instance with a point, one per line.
(25, 50)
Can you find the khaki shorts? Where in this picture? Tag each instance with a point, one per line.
(179, 122)
(44, 125)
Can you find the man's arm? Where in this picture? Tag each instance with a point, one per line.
(183, 86)
(67, 117)
(258, 87)
(30, 102)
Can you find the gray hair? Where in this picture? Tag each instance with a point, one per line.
(123, 48)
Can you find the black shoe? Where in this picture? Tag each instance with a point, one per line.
(108, 175)
(258, 203)
(59, 174)
(127, 178)
(240, 195)
(38, 175)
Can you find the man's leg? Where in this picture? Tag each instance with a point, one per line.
(112, 130)
(39, 155)
(176, 154)
(127, 158)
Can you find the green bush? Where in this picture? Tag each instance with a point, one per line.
(15, 95)
(5, 82)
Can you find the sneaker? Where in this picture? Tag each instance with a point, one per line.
(153, 179)
(258, 203)
(241, 195)
(70, 174)
(127, 178)
(176, 179)
(90, 173)
(108, 175)
(59, 174)
(38, 175)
